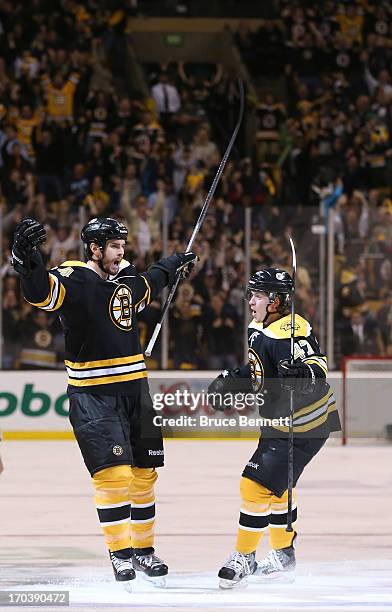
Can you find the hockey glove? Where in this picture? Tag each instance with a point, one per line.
(297, 376)
(186, 263)
(29, 234)
(225, 386)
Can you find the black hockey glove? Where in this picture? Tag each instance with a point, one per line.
(181, 263)
(297, 376)
(225, 386)
(29, 234)
(186, 263)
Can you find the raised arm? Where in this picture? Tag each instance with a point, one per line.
(39, 287)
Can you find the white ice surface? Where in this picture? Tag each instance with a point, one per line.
(50, 538)
(318, 586)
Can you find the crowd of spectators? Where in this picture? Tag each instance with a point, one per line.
(72, 148)
(329, 137)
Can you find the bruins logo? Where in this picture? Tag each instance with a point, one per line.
(43, 338)
(287, 326)
(120, 308)
(256, 371)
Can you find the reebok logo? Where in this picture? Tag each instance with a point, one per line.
(155, 452)
(253, 465)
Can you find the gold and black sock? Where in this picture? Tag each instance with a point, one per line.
(142, 507)
(113, 503)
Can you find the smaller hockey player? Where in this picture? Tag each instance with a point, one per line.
(264, 480)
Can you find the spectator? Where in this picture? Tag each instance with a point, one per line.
(384, 318)
(60, 95)
(220, 330)
(49, 162)
(11, 327)
(167, 100)
(202, 148)
(40, 344)
(361, 336)
(63, 244)
(186, 323)
(145, 223)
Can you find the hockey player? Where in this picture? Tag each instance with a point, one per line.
(263, 486)
(111, 411)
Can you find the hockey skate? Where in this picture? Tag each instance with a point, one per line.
(278, 565)
(122, 567)
(236, 570)
(150, 566)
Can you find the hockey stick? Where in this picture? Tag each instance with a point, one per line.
(290, 462)
(200, 220)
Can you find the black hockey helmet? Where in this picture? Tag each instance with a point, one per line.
(275, 283)
(100, 230)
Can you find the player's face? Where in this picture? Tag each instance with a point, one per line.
(258, 304)
(114, 252)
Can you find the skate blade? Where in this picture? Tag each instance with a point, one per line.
(277, 577)
(158, 582)
(230, 584)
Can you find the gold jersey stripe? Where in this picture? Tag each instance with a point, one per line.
(86, 365)
(147, 295)
(319, 363)
(106, 380)
(321, 358)
(47, 300)
(313, 406)
(312, 424)
(60, 299)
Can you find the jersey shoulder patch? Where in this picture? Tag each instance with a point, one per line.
(281, 329)
(71, 270)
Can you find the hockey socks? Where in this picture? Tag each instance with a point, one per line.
(124, 498)
(112, 500)
(261, 509)
(142, 507)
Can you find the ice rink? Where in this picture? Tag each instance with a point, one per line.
(50, 538)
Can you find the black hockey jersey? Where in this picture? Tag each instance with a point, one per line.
(102, 347)
(315, 412)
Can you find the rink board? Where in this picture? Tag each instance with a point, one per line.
(33, 404)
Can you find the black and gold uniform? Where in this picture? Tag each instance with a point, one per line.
(271, 372)
(315, 413)
(103, 357)
(111, 410)
(102, 347)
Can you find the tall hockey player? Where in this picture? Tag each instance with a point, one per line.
(263, 486)
(111, 411)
